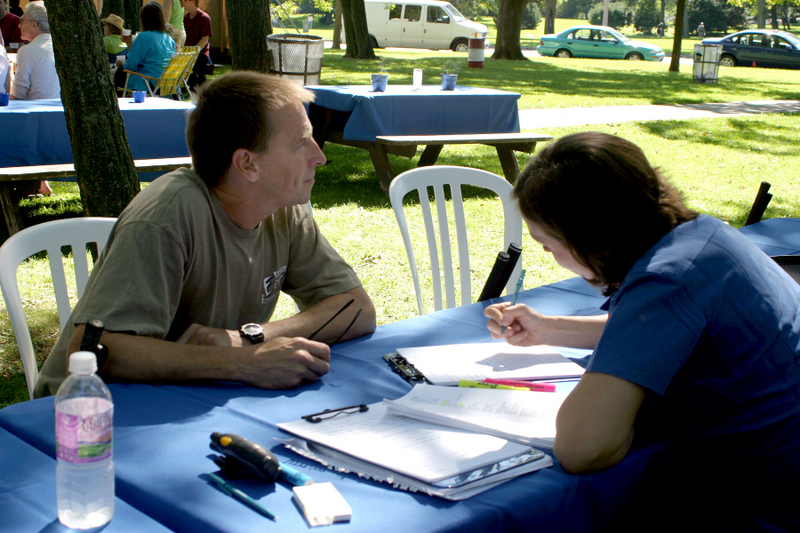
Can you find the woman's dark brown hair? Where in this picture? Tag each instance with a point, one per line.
(151, 17)
(599, 195)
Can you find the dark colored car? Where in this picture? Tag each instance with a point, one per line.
(759, 48)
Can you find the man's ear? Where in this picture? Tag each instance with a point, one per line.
(244, 163)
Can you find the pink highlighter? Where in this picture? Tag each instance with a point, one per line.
(531, 385)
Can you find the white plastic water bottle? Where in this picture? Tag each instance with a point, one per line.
(84, 431)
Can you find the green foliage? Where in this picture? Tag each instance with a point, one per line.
(619, 15)
(574, 9)
(646, 15)
(532, 17)
(716, 15)
(471, 9)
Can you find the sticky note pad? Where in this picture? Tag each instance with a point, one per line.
(322, 504)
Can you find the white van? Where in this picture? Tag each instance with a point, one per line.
(429, 24)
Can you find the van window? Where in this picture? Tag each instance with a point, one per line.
(395, 10)
(413, 13)
(438, 15)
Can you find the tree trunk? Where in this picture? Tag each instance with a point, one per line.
(106, 175)
(549, 16)
(674, 64)
(249, 23)
(337, 26)
(127, 9)
(509, 25)
(761, 17)
(355, 30)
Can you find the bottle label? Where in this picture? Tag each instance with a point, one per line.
(84, 430)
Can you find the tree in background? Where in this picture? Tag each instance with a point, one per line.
(675, 63)
(249, 23)
(107, 178)
(509, 25)
(472, 9)
(355, 30)
(127, 9)
(532, 17)
(646, 16)
(550, 16)
(716, 15)
(575, 9)
(619, 15)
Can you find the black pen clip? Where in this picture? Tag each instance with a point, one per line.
(330, 413)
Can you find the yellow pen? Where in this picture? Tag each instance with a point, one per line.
(481, 385)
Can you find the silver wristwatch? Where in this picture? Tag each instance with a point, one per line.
(252, 332)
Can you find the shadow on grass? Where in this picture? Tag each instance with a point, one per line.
(349, 177)
(751, 135)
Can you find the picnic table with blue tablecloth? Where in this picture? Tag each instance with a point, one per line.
(34, 132)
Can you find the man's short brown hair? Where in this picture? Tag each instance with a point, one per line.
(232, 112)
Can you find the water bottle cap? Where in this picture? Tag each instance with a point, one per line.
(82, 363)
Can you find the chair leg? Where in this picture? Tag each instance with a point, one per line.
(763, 198)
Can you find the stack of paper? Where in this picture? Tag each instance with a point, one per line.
(448, 364)
(522, 416)
(413, 454)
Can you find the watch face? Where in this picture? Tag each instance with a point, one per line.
(251, 329)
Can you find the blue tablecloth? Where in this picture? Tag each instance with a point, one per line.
(34, 132)
(776, 236)
(28, 493)
(401, 110)
(162, 436)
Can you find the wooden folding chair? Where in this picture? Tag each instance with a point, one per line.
(176, 71)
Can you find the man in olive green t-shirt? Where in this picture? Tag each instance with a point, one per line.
(189, 278)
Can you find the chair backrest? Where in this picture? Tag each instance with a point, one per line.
(177, 69)
(436, 177)
(49, 237)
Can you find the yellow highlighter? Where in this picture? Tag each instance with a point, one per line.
(481, 385)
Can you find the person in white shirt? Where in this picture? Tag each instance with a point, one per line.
(36, 76)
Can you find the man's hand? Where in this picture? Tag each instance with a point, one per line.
(284, 363)
(206, 336)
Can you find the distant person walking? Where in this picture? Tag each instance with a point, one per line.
(701, 30)
(660, 29)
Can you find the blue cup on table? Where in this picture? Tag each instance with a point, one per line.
(4, 98)
(139, 96)
(449, 82)
(379, 82)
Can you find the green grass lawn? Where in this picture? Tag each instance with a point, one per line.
(718, 163)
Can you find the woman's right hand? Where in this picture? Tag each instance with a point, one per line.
(523, 325)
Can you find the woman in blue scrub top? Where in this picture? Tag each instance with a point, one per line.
(701, 342)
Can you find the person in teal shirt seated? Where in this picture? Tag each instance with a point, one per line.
(112, 36)
(151, 50)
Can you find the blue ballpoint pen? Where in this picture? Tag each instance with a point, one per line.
(516, 293)
(225, 487)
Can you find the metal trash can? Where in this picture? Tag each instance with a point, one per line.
(706, 62)
(296, 57)
(476, 49)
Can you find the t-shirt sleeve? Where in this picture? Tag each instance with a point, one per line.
(138, 288)
(652, 329)
(316, 270)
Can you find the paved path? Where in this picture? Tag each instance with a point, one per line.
(577, 116)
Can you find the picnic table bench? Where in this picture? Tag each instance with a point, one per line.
(9, 175)
(505, 144)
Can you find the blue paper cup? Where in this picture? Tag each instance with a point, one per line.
(449, 82)
(4, 98)
(139, 96)
(379, 82)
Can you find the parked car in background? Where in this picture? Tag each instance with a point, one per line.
(597, 41)
(759, 48)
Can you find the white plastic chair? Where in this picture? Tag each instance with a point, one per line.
(437, 177)
(49, 237)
